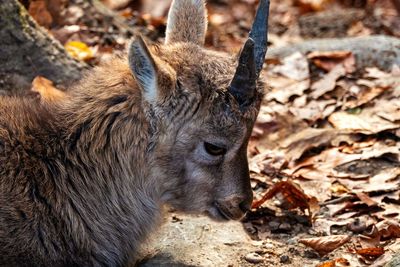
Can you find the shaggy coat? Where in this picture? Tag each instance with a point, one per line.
(83, 178)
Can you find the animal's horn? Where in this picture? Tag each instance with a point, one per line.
(243, 85)
(259, 33)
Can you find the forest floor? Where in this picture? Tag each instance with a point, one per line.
(325, 152)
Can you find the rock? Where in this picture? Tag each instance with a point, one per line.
(285, 227)
(395, 261)
(370, 51)
(254, 258)
(274, 225)
(198, 241)
(311, 254)
(284, 259)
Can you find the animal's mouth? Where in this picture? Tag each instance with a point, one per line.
(221, 212)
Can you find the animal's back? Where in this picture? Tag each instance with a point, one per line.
(28, 216)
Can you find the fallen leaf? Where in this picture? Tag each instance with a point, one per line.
(367, 122)
(294, 67)
(366, 199)
(376, 73)
(328, 60)
(312, 5)
(364, 96)
(297, 144)
(388, 229)
(286, 89)
(325, 244)
(291, 193)
(328, 82)
(370, 253)
(335, 263)
(79, 50)
(38, 10)
(314, 110)
(268, 162)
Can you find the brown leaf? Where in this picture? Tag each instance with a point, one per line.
(326, 244)
(38, 10)
(312, 5)
(284, 89)
(367, 122)
(314, 110)
(365, 96)
(268, 162)
(366, 199)
(297, 144)
(388, 229)
(327, 264)
(328, 82)
(47, 91)
(370, 253)
(116, 4)
(335, 263)
(294, 67)
(328, 60)
(292, 194)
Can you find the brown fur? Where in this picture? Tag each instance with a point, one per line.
(83, 179)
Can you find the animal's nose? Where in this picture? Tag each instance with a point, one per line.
(245, 205)
(236, 206)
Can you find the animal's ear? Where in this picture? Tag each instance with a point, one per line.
(144, 68)
(187, 22)
(156, 78)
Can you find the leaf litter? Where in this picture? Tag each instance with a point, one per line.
(345, 154)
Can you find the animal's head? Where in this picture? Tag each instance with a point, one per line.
(206, 104)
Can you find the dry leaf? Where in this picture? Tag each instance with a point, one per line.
(328, 60)
(335, 263)
(79, 50)
(366, 199)
(326, 244)
(370, 253)
(47, 91)
(365, 122)
(297, 144)
(312, 5)
(38, 10)
(388, 229)
(314, 110)
(294, 67)
(292, 194)
(376, 73)
(268, 162)
(328, 82)
(285, 88)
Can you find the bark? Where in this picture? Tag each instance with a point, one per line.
(27, 51)
(370, 51)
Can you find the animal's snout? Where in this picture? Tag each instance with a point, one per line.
(234, 207)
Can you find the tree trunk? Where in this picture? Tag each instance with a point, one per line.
(27, 51)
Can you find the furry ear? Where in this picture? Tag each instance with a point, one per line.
(144, 68)
(187, 22)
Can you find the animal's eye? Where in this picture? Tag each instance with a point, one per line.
(214, 150)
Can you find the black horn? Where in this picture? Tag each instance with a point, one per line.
(243, 84)
(259, 33)
(252, 57)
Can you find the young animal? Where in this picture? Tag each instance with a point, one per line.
(83, 180)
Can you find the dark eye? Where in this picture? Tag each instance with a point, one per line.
(214, 150)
